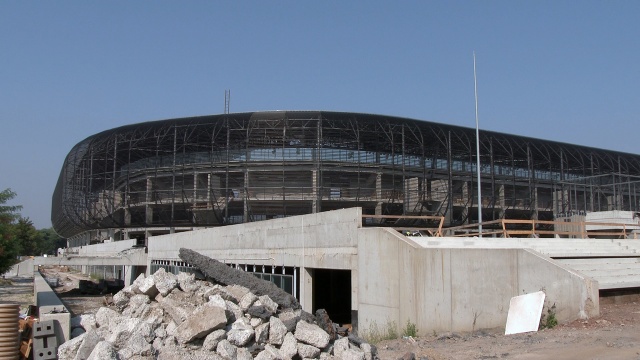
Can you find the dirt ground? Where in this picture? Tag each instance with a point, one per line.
(615, 334)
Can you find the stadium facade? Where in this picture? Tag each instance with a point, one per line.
(174, 175)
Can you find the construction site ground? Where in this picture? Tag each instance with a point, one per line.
(615, 334)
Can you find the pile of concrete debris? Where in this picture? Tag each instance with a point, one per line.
(165, 316)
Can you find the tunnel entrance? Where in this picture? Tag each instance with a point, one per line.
(332, 292)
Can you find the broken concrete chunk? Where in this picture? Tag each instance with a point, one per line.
(69, 349)
(271, 353)
(262, 333)
(241, 332)
(277, 331)
(211, 341)
(340, 346)
(226, 349)
(105, 317)
(164, 281)
(308, 351)
(90, 340)
(177, 305)
(103, 351)
(247, 300)
(187, 282)
(289, 346)
(243, 354)
(148, 287)
(289, 318)
(271, 305)
(311, 334)
(351, 354)
(194, 327)
(237, 292)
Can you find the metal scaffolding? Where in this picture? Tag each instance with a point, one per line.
(233, 168)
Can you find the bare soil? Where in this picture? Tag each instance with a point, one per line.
(615, 334)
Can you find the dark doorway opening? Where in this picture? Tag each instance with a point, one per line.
(332, 292)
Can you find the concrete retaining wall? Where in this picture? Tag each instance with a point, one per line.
(113, 247)
(450, 289)
(324, 240)
(394, 279)
(51, 308)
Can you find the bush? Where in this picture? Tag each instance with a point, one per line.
(375, 334)
(410, 329)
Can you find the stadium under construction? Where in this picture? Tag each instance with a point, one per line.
(317, 197)
(173, 175)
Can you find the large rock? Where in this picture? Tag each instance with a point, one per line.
(178, 305)
(194, 327)
(269, 304)
(325, 323)
(262, 333)
(104, 351)
(211, 341)
(106, 317)
(277, 331)
(89, 342)
(352, 354)
(164, 281)
(69, 349)
(289, 346)
(121, 299)
(138, 306)
(243, 354)
(148, 287)
(247, 300)
(340, 346)
(226, 349)
(187, 282)
(311, 334)
(241, 333)
(271, 353)
(289, 318)
(85, 321)
(308, 351)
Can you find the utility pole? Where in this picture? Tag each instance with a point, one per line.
(475, 85)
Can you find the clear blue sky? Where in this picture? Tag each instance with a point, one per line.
(559, 70)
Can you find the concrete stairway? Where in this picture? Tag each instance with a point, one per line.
(614, 263)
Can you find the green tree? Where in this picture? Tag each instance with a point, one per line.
(9, 247)
(50, 241)
(27, 237)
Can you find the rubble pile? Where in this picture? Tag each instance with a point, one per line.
(167, 316)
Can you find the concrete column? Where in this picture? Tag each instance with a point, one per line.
(148, 198)
(379, 194)
(465, 197)
(246, 196)
(306, 289)
(315, 208)
(534, 201)
(209, 191)
(560, 198)
(501, 200)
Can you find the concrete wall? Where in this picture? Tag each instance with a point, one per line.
(23, 268)
(113, 247)
(394, 279)
(447, 289)
(51, 308)
(324, 240)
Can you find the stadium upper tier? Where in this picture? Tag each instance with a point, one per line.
(230, 168)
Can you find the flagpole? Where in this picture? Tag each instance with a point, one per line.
(475, 85)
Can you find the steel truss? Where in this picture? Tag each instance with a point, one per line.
(232, 168)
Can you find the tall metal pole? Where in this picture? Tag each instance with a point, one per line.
(475, 85)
